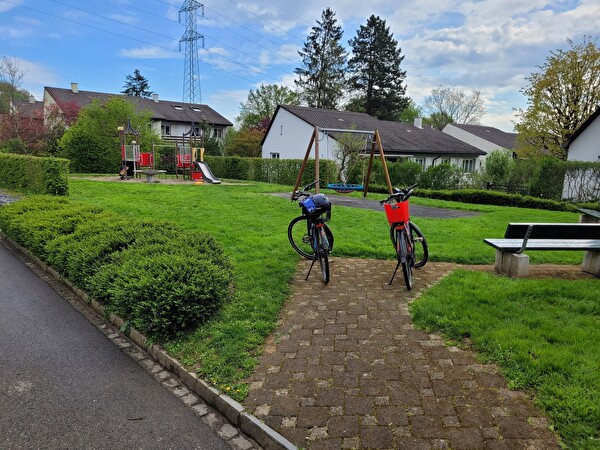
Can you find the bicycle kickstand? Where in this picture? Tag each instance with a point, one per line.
(394, 274)
(309, 270)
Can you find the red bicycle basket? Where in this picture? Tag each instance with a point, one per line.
(398, 212)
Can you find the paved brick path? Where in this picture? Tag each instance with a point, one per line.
(347, 369)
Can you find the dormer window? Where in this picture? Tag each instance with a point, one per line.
(178, 107)
(195, 108)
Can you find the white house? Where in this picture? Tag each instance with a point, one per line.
(170, 119)
(291, 129)
(484, 138)
(584, 145)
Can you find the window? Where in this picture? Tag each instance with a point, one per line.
(274, 155)
(165, 130)
(218, 133)
(420, 161)
(178, 107)
(195, 108)
(445, 160)
(468, 165)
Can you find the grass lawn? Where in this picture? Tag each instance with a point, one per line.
(252, 226)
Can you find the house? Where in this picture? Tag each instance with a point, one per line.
(484, 138)
(291, 128)
(584, 145)
(170, 119)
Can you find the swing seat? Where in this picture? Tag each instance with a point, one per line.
(344, 188)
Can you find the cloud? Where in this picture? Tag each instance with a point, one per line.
(148, 52)
(7, 6)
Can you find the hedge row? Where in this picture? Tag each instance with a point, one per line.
(34, 174)
(279, 171)
(156, 277)
(483, 197)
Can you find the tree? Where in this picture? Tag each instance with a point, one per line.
(561, 96)
(411, 112)
(348, 150)
(245, 142)
(261, 104)
(11, 77)
(375, 71)
(439, 120)
(450, 104)
(93, 143)
(137, 85)
(322, 75)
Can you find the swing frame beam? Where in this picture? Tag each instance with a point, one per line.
(375, 145)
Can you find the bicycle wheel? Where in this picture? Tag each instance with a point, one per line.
(300, 237)
(419, 244)
(323, 254)
(405, 257)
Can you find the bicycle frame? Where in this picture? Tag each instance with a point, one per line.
(404, 234)
(317, 240)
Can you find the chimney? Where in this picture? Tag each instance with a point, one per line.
(74, 88)
(418, 122)
(155, 98)
(31, 99)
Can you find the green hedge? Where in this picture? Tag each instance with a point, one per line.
(160, 279)
(34, 174)
(279, 171)
(484, 197)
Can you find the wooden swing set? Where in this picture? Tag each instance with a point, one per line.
(343, 187)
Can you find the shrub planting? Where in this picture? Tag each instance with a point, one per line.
(157, 277)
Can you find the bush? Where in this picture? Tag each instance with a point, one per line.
(442, 176)
(34, 174)
(162, 294)
(280, 171)
(484, 197)
(159, 278)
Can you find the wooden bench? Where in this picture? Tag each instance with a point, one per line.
(519, 237)
(589, 216)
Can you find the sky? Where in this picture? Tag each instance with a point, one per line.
(486, 45)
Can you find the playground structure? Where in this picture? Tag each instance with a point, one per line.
(189, 164)
(133, 160)
(376, 145)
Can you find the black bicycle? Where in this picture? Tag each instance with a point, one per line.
(409, 243)
(309, 235)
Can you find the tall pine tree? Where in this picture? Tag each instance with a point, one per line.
(137, 85)
(375, 72)
(322, 75)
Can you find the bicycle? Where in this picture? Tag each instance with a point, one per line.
(308, 234)
(408, 240)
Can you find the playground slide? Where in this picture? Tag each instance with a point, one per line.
(206, 173)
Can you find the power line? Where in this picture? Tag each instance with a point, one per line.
(132, 39)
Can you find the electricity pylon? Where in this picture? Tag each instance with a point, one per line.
(191, 72)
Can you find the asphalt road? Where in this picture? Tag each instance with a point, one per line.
(63, 384)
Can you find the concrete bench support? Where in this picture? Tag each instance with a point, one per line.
(515, 265)
(591, 263)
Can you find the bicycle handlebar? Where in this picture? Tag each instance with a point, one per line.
(400, 195)
(303, 193)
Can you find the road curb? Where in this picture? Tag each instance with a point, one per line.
(233, 411)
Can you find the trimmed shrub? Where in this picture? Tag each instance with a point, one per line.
(160, 279)
(162, 294)
(34, 174)
(280, 171)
